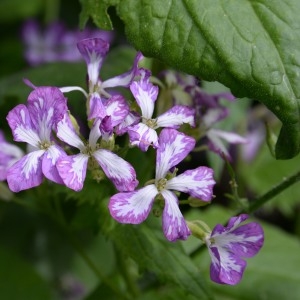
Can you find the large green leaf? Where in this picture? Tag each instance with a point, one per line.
(251, 46)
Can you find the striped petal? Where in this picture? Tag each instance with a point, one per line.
(26, 172)
(198, 183)
(145, 94)
(93, 51)
(174, 225)
(47, 106)
(132, 207)
(20, 123)
(118, 170)
(124, 79)
(72, 170)
(50, 159)
(66, 132)
(176, 116)
(97, 108)
(173, 147)
(142, 136)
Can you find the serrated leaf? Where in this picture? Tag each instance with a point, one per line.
(250, 46)
(97, 9)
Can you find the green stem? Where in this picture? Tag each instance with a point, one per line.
(276, 190)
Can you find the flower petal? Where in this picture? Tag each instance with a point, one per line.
(50, 158)
(93, 51)
(26, 172)
(97, 108)
(46, 106)
(176, 116)
(66, 132)
(117, 109)
(22, 128)
(198, 183)
(243, 240)
(132, 207)
(118, 170)
(174, 225)
(173, 147)
(225, 268)
(145, 94)
(142, 136)
(72, 170)
(126, 78)
(131, 119)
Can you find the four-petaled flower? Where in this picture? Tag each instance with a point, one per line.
(134, 207)
(143, 134)
(72, 169)
(229, 245)
(34, 124)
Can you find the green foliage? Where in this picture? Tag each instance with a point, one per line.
(168, 261)
(249, 46)
(19, 280)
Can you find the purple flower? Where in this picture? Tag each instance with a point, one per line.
(94, 51)
(134, 207)
(33, 124)
(9, 154)
(143, 134)
(228, 246)
(55, 42)
(72, 169)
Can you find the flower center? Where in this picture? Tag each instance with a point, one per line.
(152, 123)
(161, 184)
(45, 145)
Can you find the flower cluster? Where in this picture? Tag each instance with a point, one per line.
(60, 153)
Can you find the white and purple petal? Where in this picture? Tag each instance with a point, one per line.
(22, 128)
(225, 268)
(131, 119)
(216, 141)
(142, 136)
(117, 109)
(145, 94)
(243, 240)
(97, 108)
(26, 172)
(118, 170)
(132, 207)
(124, 79)
(66, 132)
(174, 225)
(198, 183)
(95, 134)
(173, 147)
(50, 159)
(72, 170)
(176, 116)
(46, 106)
(93, 51)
